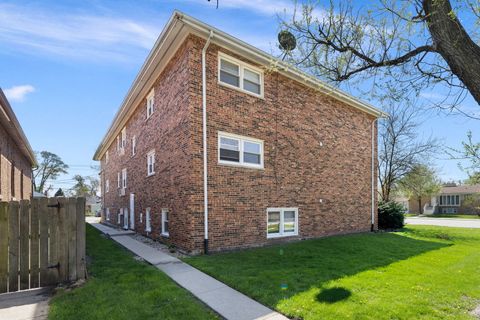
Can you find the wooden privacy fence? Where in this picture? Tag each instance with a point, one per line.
(42, 242)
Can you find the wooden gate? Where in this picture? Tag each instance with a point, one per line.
(42, 242)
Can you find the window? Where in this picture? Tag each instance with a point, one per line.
(134, 145)
(118, 143)
(119, 216)
(282, 222)
(450, 200)
(124, 178)
(235, 73)
(239, 150)
(107, 214)
(119, 180)
(141, 216)
(150, 103)
(124, 138)
(148, 227)
(165, 222)
(151, 163)
(106, 157)
(107, 185)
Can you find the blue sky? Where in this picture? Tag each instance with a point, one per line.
(67, 65)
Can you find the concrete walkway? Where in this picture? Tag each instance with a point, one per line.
(25, 305)
(227, 302)
(444, 222)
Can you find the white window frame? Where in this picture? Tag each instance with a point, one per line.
(124, 178)
(150, 103)
(150, 157)
(119, 180)
(134, 145)
(124, 138)
(106, 157)
(119, 216)
(118, 143)
(241, 142)
(241, 66)
(148, 220)
(107, 186)
(282, 214)
(141, 216)
(165, 212)
(107, 214)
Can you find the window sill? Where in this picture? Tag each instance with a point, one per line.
(226, 85)
(151, 174)
(240, 165)
(166, 235)
(275, 236)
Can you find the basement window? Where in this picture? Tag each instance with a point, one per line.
(238, 150)
(237, 74)
(282, 222)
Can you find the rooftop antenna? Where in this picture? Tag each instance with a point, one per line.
(287, 42)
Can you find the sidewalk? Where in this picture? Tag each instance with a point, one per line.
(25, 305)
(227, 302)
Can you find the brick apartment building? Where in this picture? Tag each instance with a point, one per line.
(16, 156)
(287, 156)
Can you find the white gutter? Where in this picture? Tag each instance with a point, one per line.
(373, 175)
(204, 123)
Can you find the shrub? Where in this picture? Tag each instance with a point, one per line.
(390, 215)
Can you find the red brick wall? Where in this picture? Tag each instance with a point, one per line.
(166, 131)
(9, 153)
(292, 120)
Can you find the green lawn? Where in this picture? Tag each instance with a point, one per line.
(421, 273)
(120, 287)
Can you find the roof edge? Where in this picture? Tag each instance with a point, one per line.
(8, 114)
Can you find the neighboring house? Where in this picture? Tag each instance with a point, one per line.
(16, 156)
(450, 200)
(93, 204)
(287, 156)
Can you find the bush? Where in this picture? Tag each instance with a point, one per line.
(390, 215)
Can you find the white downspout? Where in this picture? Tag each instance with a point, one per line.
(204, 123)
(373, 175)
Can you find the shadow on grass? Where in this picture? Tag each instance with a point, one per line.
(262, 273)
(333, 295)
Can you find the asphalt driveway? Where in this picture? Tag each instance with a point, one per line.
(444, 222)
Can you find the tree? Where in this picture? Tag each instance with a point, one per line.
(85, 186)
(400, 149)
(473, 201)
(420, 182)
(405, 45)
(50, 167)
(59, 193)
(81, 188)
(470, 151)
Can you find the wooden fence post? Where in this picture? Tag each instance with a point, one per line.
(13, 252)
(34, 244)
(80, 211)
(3, 246)
(53, 249)
(72, 238)
(24, 244)
(44, 220)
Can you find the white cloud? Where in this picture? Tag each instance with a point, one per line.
(74, 35)
(266, 7)
(18, 93)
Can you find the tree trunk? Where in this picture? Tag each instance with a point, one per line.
(454, 44)
(420, 208)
